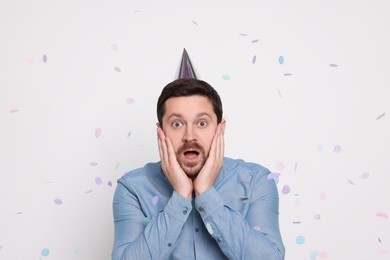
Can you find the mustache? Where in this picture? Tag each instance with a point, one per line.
(190, 146)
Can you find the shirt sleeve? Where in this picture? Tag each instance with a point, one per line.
(137, 237)
(253, 236)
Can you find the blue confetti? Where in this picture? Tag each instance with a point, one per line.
(300, 240)
(281, 60)
(45, 252)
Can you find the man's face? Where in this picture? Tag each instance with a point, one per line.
(190, 123)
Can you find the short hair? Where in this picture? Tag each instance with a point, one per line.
(189, 87)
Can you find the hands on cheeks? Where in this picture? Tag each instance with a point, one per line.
(180, 182)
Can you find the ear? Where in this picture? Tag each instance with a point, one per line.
(223, 124)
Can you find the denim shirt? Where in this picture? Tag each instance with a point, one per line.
(237, 218)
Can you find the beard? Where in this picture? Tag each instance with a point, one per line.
(192, 167)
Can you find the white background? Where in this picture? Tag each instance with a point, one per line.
(319, 116)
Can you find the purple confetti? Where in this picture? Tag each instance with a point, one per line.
(98, 180)
(14, 110)
(117, 69)
(273, 175)
(58, 201)
(337, 149)
(254, 59)
(286, 189)
(254, 41)
(333, 65)
(155, 200)
(44, 58)
(109, 183)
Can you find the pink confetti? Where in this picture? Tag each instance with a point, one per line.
(382, 215)
(44, 58)
(130, 101)
(117, 69)
(383, 251)
(273, 175)
(323, 196)
(58, 201)
(29, 61)
(286, 189)
(280, 166)
(254, 59)
(297, 202)
(98, 180)
(14, 110)
(337, 149)
(323, 255)
(155, 200)
(98, 132)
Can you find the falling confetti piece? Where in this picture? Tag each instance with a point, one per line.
(155, 200)
(254, 59)
(382, 115)
(130, 101)
(58, 201)
(314, 254)
(195, 23)
(280, 95)
(322, 255)
(18, 213)
(1, 247)
(279, 166)
(382, 215)
(29, 61)
(317, 216)
(137, 11)
(117, 69)
(383, 251)
(93, 164)
(337, 149)
(297, 202)
(281, 60)
(226, 77)
(351, 182)
(209, 228)
(109, 183)
(14, 110)
(323, 196)
(243, 34)
(286, 189)
(257, 228)
(295, 168)
(300, 240)
(128, 134)
(114, 47)
(88, 191)
(45, 252)
(297, 222)
(320, 147)
(145, 221)
(44, 58)
(254, 41)
(380, 241)
(333, 65)
(273, 175)
(76, 252)
(365, 175)
(287, 74)
(98, 132)
(98, 180)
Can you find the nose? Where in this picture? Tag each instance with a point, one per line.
(189, 134)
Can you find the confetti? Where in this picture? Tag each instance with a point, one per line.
(254, 59)
(279, 166)
(1, 247)
(137, 11)
(226, 77)
(351, 182)
(382, 115)
(383, 251)
(130, 101)
(14, 110)
(18, 213)
(333, 65)
(322, 255)
(44, 58)
(320, 147)
(76, 252)
(286, 189)
(109, 183)
(58, 201)
(273, 175)
(45, 252)
(295, 168)
(98, 132)
(337, 149)
(287, 74)
(323, 196)
(29, 61)
(155, 200)
(243, 34)
(297, 202)
(314, 254)
(280, 95)
(195, 23)
(114, 47)
(380, 241)
(297, 222)
(117, 69)
(98, 180)
(145, 221)
(254, 41)
(256, 228)
(88, 191)
(300, 240)
(317, 216)
(365, 175)
(209, 228)
(128, 134)
(281, 60)
(382, 215)
(93, 164)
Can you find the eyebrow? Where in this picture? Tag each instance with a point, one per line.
(181, 116)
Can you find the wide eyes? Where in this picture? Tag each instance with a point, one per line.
(200, 124)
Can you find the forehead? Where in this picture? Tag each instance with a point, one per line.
(189, 106)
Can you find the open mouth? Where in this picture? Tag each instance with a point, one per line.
(191, 154)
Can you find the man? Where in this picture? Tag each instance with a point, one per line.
(195, 203)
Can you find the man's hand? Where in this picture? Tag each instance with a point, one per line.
(214, 162)
(171, 168)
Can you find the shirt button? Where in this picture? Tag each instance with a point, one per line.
(184, 212)
(200, 209)
(169, 245)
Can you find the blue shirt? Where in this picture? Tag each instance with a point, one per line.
(237, 218)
